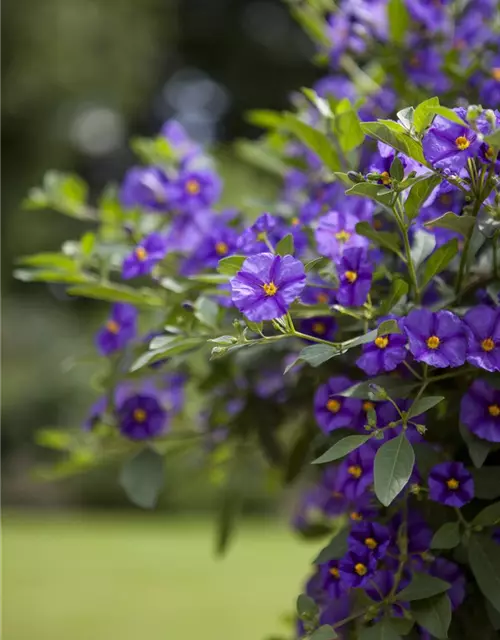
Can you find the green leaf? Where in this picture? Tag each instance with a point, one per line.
(397, 171)
(395, 135)
(439, 260)
(433, 614)
(486, 483)
(422, 117)
(493, 139)
(264, 118)
(405, 116)
(422, 586)
(49, 261)
(478, 449)
(206, 311)
(87, 243)
(227, 517)
(341, 449)
(306, 607)
(484, 561)
(398, 20)
(312, 22)
(493, 615)
(460, 224)
(171, 346)
(53, 439)
(365, 390)
(322, 105)
(399, 288)
(285, 246)
(423, 245)
(335, 549)
(489, 516)
(449, 114)
(314, 139)
(47, 275)
(372, 191)
(325, 632)
(142, 478)
(383, 630)
(382, 238)
(64, 192)
(317, 263)
(447, 536)
(156, 151)
(347, 126)
(118, 293)
(317, 354)
(387, 327)
(424, 404)
(230, 265)
(392, 469)
(419, 194)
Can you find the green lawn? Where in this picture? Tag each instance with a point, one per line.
(87, 577)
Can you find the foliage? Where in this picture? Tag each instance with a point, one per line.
(376, 271)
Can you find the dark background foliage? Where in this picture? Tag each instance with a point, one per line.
(80, 77)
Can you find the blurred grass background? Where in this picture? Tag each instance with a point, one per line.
(79, 78)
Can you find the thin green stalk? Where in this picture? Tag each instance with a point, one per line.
(399, 215)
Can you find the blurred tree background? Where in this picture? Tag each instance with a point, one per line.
(80, 77)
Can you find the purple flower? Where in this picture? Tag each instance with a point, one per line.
(218, 243)
(194, 190)
(357, 569)
(321, 327)
(386, 413)
(451, 484)
(252, 240)
(490, 91)
(385, 353)
(333, 411)
(355, 473)
(448, 145)
(318, 291)
(439, 339)
(267, 285)
(484, 337)
(145, 187)
(381, 587)
(450, 572)
(331, 583)
(120, 328)
(355, 276)
(141, 417)
(150, 250)
(176, 135)
(336, 232)
(480, 411)
(369, 535)
(431, 13)
(424, 68)
(335, 611)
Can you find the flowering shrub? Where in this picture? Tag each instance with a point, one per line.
(354, 324)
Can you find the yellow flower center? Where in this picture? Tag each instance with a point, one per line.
(433, 342)
(367, 406)
(295, 222)
(357, 517)
(322, 298)
(351, 276)
(355, 471)
(495, 72)
(445, 199)
(381, 342)
(221, 248)
(319, 328)
(494, 410)
(270, 288)
(335, 572)
(377, 224)
(489, 153)
(371, 543)
(112, 326)
(452, 484)
(140, 415)
(193, 187)
(360, 569)
(462, 143)
(141, 254)
(333, 405)
(386, 178)
(487, 344)
(343, 236)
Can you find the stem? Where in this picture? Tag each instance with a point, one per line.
(349, 619)
(461, 518)
(299, 334)
(412, 370)
(399, 215)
